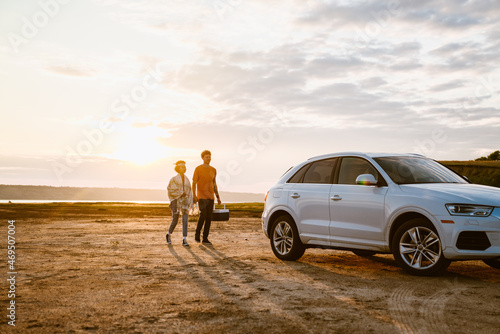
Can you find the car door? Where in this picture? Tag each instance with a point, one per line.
(357, 211)
(309, 200)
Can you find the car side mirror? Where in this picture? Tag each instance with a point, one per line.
(366, 180)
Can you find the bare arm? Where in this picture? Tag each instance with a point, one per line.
(216, 191)
(195, 199)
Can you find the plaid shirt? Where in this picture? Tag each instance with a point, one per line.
(175, 191)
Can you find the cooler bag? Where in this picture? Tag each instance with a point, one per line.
(220, 214)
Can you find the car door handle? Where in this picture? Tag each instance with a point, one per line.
(295, 195)
(336, 198)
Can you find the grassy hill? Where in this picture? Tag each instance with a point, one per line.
(481, 172)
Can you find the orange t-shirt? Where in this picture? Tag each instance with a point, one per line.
(204, 178)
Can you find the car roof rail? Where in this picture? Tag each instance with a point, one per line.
(331, 155)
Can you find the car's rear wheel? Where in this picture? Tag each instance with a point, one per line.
(416, 247)
(285, 241)
(494, 263)
(364, 253)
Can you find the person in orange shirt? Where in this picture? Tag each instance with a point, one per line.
(204, 188)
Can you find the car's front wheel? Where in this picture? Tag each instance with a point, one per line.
(416, 247)
(285, 241)
(494, 263)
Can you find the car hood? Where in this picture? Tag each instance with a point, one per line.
(456, 193)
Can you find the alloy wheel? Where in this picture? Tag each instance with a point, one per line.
(283, 238)
(420, 247)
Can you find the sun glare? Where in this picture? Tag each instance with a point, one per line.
(140, 149)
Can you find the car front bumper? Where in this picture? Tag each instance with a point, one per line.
(468, 238)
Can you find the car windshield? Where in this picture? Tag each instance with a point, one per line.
(411, 170)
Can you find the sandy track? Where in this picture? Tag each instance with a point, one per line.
(119, 276)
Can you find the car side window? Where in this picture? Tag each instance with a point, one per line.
(320, 172)
(352, 167)
(297, 177)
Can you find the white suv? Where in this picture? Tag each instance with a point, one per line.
(413, 207)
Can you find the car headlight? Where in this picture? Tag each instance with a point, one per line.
(469, 210)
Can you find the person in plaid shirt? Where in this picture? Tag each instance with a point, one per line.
(181, 199)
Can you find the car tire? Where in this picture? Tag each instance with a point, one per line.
(416, 247)
(494, 263)
(364, 253)
(285, 241)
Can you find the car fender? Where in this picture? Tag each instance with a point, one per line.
(411, 209)
(286, 209)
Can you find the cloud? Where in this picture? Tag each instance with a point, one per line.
(332, 75)
(330, 66)
(335, 15)
(70, 71)
(323, 74)
(476, 55)
(373, 82)
(447, 86)
(245, 94)
(142, 124)
(452, 48)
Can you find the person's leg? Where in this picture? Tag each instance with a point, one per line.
(202, 204)
(208, 219)
(175, 216)
(185, 219)
(175, 219)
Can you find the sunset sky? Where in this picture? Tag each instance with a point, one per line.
(107, 93)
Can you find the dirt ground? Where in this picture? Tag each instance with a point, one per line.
(117, 275)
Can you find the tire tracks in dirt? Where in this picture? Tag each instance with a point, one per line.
(411, 315)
